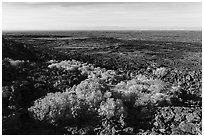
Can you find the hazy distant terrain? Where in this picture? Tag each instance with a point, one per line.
(172, 48)
(119, 82)
(179, 36)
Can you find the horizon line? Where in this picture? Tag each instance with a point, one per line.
(109, 30)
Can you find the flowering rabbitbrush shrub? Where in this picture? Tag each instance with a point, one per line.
(68, 65)
(53, 107)
(91, 91)
(89, 70)
(142, 91)
(160, 72)
(15, 63)
(112, 108)
(59, 108)
(83, 99)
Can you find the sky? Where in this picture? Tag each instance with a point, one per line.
(101, 16)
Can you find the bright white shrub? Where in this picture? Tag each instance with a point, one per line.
(90, 90)
(15, 63)
(109, 76)
(52, 107)
(160, 72)
(112, 108)
(141, 90)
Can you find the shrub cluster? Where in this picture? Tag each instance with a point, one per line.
(100, 101)
(103, 95)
